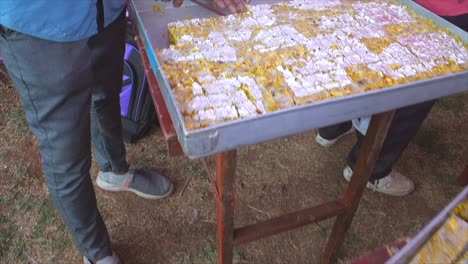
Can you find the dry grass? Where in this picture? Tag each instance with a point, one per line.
(273, 178)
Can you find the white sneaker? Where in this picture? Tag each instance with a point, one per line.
(394, 183)
(107, 260)
(330, 142)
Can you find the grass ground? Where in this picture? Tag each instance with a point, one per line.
(273, 178)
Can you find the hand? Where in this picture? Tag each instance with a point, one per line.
(236, 6)
(177, 3)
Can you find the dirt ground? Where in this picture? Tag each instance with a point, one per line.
(275, 177)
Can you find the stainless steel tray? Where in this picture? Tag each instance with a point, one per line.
(230, 135)
(411, 249)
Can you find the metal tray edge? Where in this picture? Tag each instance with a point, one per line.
(408, 251)
(422, 11)
(164, 86)
(204, 142)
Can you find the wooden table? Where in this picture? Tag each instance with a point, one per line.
(343, 208)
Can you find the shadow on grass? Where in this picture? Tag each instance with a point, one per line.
(455, 104)
(206, 255)
(430, 141)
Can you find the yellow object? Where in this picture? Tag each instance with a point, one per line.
(158, 8)
(462, 210)
(449, 242)
(299, 54)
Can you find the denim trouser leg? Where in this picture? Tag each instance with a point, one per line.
(107, 66)
(56, 82)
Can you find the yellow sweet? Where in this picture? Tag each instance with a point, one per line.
(446, 245)
(259, 55)
(462, 210)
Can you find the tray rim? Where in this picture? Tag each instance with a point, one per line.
(208, 135)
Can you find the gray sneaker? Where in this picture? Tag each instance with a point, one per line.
(394, 183)
(144, 183)
(107, 260)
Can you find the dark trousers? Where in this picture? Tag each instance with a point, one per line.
(70, 93)
(404, 127)
(460, 21)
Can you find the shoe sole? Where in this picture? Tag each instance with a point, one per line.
(328, 143)
(116, 188)
(348, 172)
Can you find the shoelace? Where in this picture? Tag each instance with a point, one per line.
(374, 186)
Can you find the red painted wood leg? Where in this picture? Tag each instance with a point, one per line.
(370, 151)
(225, 181)
(463, 178)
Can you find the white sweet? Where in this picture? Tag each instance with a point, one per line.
(326, 65)
(314, 4)
(225, 112)
(314, 89)
(259, 10)
(213, 88)
(246, 108)
(207, 115)
(322, 78)
(254, 88)
(407, 70)
(197, 89)
(186, 38)
(218, 100)
(260, 106)
(249, 22)
(313, 64)
(332, 85)
(177, 24)
(200, 103)
(301, 93)
(265, 20)
(239, 97)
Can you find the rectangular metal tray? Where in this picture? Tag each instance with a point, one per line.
(411, 249)
(231, 135)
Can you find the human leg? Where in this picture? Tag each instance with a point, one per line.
(405, 125)
(54, 82)
(107, 49)
(328, 136)
(107, 52)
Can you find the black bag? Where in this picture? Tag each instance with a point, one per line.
(137, 110)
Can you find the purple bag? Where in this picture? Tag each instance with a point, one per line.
(136, 104)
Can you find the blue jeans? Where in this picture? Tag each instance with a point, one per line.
(70, 93)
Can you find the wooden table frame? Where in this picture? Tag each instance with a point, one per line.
(228, 236)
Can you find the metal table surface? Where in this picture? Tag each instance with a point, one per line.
(231, 135)
(412, 247)
(217, 139)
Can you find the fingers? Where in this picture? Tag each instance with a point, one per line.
(240, 4)
(220, 3)
(236, 6)
(230, 5)
(177, 3)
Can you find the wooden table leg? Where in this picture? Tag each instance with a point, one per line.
(165, 121)
(463, 178)
(225, 181)
(370, 151)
